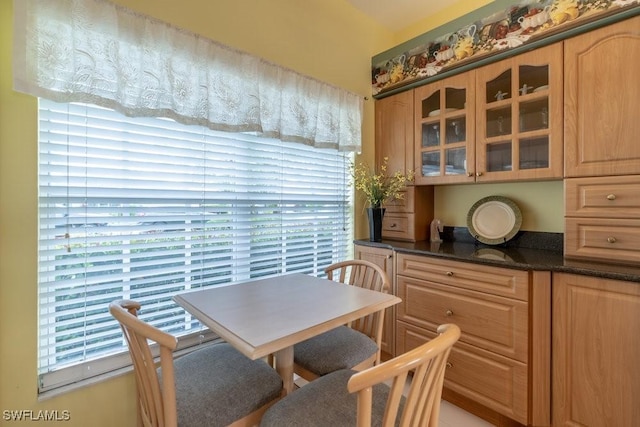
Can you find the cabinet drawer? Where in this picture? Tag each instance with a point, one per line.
(495, 323)
(494, 381)
(600, 238)
(404, 205)
(612, 197)
(495, 280)
(399, 227)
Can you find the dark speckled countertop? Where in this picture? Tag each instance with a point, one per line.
(527, 251)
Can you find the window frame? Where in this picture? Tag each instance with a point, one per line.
(78, 373)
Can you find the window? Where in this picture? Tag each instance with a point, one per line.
(143, 208)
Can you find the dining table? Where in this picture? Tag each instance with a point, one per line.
(268, 316)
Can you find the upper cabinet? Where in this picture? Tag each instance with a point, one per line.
(501, 122)
(394, 131)
(405, 219)
(445, 130)
(602, 101)
(519, 117)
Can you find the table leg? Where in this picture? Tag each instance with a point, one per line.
(284, 366)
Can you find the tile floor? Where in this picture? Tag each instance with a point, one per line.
(452, 416)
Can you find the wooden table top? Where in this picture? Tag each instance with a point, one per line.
(263, 316)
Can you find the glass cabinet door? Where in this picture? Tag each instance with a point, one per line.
(445, 130)
(520, 117)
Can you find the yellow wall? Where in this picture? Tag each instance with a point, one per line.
(456, 10)
(326, 39)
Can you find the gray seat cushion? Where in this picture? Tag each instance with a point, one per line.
(218, 385)
(339, 348)
(325, 402)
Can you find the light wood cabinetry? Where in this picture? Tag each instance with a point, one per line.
(394, 131)
(383, 258)
(500, 122)
(596, 349)
(445, 130)
(519, 116)
(602, 154)
(602, 218)
(408, 218)
(494, 362)
(602, 101)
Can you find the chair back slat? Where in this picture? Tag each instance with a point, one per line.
(422, 403)
(367, 275)
(156, 409)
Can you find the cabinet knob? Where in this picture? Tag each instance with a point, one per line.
(611, 239)
(478, 173)
(611, 197)
(469, 174)
(449, 365)
(449, 313)
(392, 225)
(449, 273)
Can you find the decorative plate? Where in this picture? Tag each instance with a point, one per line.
(494, 220)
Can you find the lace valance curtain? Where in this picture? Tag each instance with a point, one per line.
(97, 52)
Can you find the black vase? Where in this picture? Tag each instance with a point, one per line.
(375, 223)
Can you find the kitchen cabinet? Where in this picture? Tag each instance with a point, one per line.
(394, 131)
(519, 132)
(500, 122)
(408, 218)
(602, 156)
(602, 101)
(445, 130)
(596, 349)
(383, 258)
(502, 359)
(602, 218)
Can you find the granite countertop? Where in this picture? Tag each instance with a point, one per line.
(527, 251)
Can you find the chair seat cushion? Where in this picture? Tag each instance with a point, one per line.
(325, 402)
(218, 385)
(339, 348)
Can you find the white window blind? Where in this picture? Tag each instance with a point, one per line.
(143, 208)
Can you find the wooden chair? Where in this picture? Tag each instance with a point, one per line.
(355, 346)
(373, 396)
(213, 386)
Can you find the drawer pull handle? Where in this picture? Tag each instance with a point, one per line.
(393, 225)
(611, 197)
(449, 365)
(449, 273)
(611, 239)
(449, 313)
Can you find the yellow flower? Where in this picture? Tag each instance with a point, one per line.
(379, 188)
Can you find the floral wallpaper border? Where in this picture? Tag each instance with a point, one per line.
(505, 29)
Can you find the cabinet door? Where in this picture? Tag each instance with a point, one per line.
(495, 381)
(596, 349)
(383, 258)
(519, 115)
(602, 101)
(445, 130)
(494, 323)
(394, 131)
